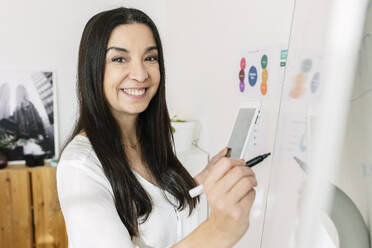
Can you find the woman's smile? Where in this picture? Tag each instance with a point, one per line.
(134, 93)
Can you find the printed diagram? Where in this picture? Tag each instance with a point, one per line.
(306, 82)
(261, 73)
(294, 136)
(300, 79)
(252, 75)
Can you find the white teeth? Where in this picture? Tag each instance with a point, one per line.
(135, 92)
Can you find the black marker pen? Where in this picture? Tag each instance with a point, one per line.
(256, 160)
(250, 163)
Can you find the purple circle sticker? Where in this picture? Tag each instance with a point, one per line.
(241, 86)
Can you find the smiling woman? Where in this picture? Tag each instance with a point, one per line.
(132, 72)
(119, 181)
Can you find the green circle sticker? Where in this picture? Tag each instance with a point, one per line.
(306, 65)
(264, 61)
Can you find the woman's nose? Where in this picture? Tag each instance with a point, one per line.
(138, 72)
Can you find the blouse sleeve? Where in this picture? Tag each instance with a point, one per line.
(88, 208)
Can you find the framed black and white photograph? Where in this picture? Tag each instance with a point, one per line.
(27, 114)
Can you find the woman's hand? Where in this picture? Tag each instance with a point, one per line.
(200, 178)
(230, 192)
(228, 185)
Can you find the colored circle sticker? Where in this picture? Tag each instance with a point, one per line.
(263, 88)
(296, 92)
(241, 75)
(300, 78)
(242, 63)
(252, 76)
(315, 82)
(241, 86)
(306, 65)
(264, 61)
(265, 75)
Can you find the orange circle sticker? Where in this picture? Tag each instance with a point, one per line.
(263, 88)
(296, 92)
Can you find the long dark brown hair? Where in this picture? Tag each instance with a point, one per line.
(153, 125)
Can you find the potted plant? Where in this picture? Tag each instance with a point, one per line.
(8, 142)
(182, 133)
(5, 143)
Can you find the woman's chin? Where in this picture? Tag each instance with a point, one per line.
(133, 111)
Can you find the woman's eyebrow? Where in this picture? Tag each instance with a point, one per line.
(126, 51)
(118, 49)
(151, 48)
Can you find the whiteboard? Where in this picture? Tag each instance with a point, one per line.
(300, 209)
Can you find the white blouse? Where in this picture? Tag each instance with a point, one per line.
(87, 203)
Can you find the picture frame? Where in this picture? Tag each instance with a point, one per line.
(28, 114)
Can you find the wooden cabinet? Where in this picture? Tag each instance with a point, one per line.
(30, 215)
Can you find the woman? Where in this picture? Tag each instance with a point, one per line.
(119, 181)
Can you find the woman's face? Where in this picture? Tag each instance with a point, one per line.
(132, 74)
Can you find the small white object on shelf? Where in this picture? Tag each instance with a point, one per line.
(183, 131)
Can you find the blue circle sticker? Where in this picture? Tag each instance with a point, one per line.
(252, 76)
(315, 82)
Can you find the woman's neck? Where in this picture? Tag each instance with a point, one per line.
(128, 126)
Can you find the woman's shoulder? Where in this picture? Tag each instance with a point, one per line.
(79, 164)
(79, 155)
(79, 149)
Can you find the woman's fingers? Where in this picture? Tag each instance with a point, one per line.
(240, 190)
(234, 175)
(200, 178)
(222, 166)
(248, 199)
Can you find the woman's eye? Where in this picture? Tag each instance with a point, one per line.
(118, 60)
(151, 58)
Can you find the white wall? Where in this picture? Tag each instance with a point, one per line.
(205, 42)
(45, 35)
